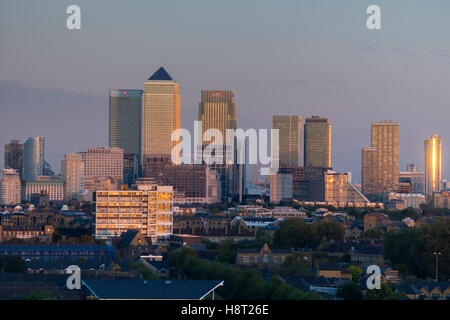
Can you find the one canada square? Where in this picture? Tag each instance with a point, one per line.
(160, 116)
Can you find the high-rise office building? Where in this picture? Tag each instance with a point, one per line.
(160, 115)
(290, 128)
(33, 158)
(217, 110)
(103, 162)
(149, 210)
(433, 177)
(125, 119)
(380, 172)
(10, 187)
(317, 142)
(14, 156)
(72, 173)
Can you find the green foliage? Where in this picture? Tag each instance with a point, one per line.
(298, 234)
(372, 234)
(356, 273)
(296, 264)
(12, 264)
(411, 250)
(41, 295)
(238, 284)
(146, 273)
(384, 293)
(324, 230)
(262, 237)
(350, 291)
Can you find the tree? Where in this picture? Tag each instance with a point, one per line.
(384, 293)
(356, 273)
(411, 250)
(146, 273)
(349, 291)
(324, 230)
(12, 264)
(294, 233)
(296, 264)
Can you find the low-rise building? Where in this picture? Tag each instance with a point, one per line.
(263, 258)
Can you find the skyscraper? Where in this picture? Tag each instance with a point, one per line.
(433, 178)
(290, 128)
(217, 110)
(14, 156)
(33, 158)
(160, 115)
(368, 171)
(380, 162)
(317, 142)
(72, 173)
(10, 187)
(125, 119)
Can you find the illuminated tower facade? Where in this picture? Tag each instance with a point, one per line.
(380, 172)
(217, 110)
(160, 115)
(433, 178)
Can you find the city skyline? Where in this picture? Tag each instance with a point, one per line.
(371, 76)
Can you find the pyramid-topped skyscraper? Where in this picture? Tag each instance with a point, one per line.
(161, 115)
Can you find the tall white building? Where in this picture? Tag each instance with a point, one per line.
(72, 173)
(10, 187)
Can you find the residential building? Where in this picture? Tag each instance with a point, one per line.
(375, 220)
(441, 199)
(410, 200)
(332, 270)
(148, 210)
(339, 189)
(263, 258)
(281, 186)
(72, 174)
(54, 189)
(380, 173)
(10, 187)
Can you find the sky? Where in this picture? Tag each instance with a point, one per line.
(299, 57)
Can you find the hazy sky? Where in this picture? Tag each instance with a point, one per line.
(312, 57)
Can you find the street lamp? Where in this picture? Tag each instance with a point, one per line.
(437, 254)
